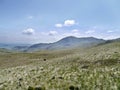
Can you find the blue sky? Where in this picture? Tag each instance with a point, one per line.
(39, 21)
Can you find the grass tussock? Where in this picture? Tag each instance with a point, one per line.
(95, 68)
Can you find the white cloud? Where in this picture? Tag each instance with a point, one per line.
(66, 23)
(90, 31)
(58, 25)
(29, 31)
(69, 23)
(52, 33)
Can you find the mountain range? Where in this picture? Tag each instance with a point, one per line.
(65, 43)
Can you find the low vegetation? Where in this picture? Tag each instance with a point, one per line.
(96, 68)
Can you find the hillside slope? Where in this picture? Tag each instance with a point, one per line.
(92, 68)
(66, 43)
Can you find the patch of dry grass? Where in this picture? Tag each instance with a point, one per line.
(95, 68)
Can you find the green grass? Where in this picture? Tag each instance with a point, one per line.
(95, 68)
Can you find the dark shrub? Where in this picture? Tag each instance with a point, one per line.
(71, 87)
(38, 88)
(76, 88)
(20, 79)
(44, 59)
(60, 77)
(53, 77)
(30, 88)
(85, 67)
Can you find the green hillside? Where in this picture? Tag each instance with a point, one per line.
(93, 68)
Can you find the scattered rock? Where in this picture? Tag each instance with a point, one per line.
(44, 59)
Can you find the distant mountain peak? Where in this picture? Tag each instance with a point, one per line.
(67, 42)
(68, 38)
(71, 37)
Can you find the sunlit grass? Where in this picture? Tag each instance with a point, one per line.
(78, 69)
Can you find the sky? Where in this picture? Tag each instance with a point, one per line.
(46, 21)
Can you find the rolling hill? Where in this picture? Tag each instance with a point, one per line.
(66, 43)
(92, 68)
